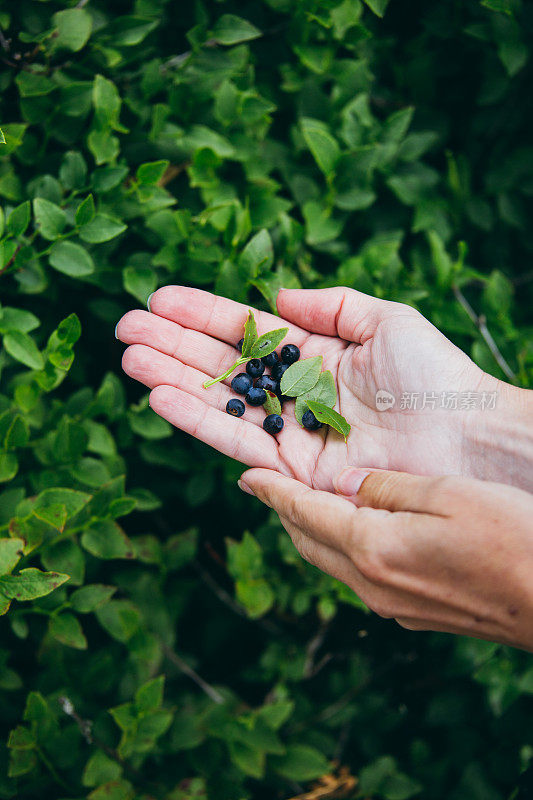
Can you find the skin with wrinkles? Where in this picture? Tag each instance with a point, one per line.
(368, 344)
(442, 554)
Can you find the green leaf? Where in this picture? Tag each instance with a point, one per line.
(21, 347)
(91, 597)
(301, 763)
(54, 514)
(268, 342)
(324, 391)
(301, 376)
(71, 259)
(140, 282)
(149, 696)
(377, 6)
(85, 211)
(69, 329)
(272, 404)
(257, 256)
(66, 628)
(65, 556)
(256, 595)
(152, 172)
(73, 27)
(100, 769)
(249, 760)
(73, 170)
(250, 335)
(101, 229)
(19, 219)
(107, 102)
(2, 137)
(330, 417)
(113, 790)
(322, 145)
(28, 584)
(50, 218)
(17, 319)
(320, 225)
(230, 29)
(107, 540)
(10, 554)
(34, 84)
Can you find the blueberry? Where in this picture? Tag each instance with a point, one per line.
(273, 424)
(267, 382)
(256, 397)
(278, 370)
(255, 368)
(290, 353)
(235, 407)
(271, 359)
(240, 344)
(241, 383)
(310, 422)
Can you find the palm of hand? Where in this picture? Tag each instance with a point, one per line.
(178, 346)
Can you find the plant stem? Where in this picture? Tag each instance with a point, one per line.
(481, 324)
(228, 372)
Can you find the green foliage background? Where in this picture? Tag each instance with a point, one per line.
(162, 638)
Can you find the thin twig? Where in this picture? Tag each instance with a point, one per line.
(5, 43)
(81, 3)
(481, 324)
(314, 644)
(228, 600)
(85, 727)
(210, 691)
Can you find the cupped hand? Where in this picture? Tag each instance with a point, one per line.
(442, 554)
(367, 343)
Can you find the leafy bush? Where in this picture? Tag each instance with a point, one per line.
(152, 648)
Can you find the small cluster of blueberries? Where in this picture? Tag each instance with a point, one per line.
(254, 384)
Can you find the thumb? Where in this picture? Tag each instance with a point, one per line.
(394, 491)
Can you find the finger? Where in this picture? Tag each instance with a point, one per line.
(326, 517)
(153, 368)
(326, 558)
(215, 316)
(398, 491)
(236, 438)
(338, 311)
(190, 347)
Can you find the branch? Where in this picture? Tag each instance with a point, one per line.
(481, 324)
(314, 644)
(215, 696)
(4, 43)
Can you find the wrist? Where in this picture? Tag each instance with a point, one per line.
(499, 443)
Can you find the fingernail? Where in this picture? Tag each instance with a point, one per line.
(349, 481)
(116, 327)
(244, 487)
(148, 301)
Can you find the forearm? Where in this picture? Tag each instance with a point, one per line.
(499, 445)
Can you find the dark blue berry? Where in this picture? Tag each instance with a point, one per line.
(267, 382)
(278, 370)
(310, 422)
(255, 367)
(235, 407)
(290, 353)
(256, 397)
(240, 344)
(241, 383)
(273, 424)
(271, 359)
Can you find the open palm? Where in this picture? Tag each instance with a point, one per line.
(368, 344)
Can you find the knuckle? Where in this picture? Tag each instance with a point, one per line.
(447, 488)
